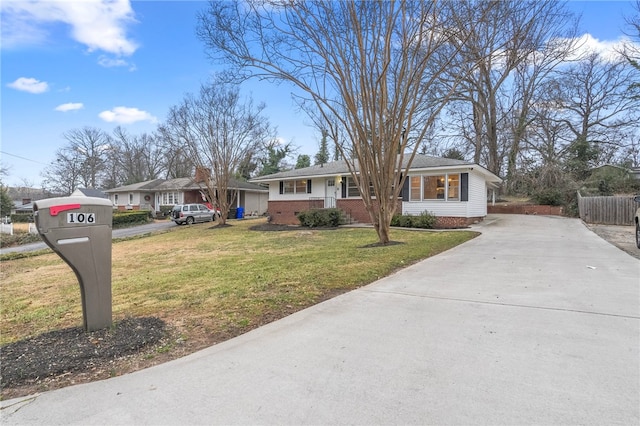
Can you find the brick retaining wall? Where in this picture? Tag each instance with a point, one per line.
(526, 209)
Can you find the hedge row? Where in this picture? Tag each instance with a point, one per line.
(131, 217)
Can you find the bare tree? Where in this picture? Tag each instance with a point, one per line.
(219, 131)
(599, 107)
(515, 44)
(80, 163)
(138, 158)
(63, 175)
(369, 72)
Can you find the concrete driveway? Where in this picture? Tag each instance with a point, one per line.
(537, 321)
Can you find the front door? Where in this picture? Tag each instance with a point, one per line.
(330, 194)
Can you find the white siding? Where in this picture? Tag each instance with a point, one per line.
(477, 205)
(436, 207)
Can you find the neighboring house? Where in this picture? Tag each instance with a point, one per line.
(455, 191)
(153, 194)
(89, 192)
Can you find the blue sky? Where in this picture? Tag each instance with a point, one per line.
(67, 65)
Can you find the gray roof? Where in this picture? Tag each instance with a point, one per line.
(180, 184)
(90, 192)
(140, 186)
(420, 162)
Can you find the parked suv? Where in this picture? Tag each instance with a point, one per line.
(191, 213)
(636, 220)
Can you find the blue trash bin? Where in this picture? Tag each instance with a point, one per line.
(240, 213)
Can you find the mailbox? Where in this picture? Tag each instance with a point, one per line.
(78, 229)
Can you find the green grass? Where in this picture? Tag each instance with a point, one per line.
(212, 280)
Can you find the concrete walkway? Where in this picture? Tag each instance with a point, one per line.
(537, 321)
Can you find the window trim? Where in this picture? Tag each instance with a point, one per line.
(422, 177)
(294, 183)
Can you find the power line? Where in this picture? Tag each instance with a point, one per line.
(23, 158)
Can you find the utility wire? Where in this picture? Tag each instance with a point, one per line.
(23, 158)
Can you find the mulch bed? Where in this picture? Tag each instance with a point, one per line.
(72, 350)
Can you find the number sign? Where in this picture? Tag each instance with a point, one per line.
(81, 218)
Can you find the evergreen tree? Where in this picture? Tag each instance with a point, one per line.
(303, 161)
(322, 157)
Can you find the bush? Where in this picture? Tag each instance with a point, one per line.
(22, 218)
(321, 218)
(549, 197)
(129, 218)
(424, 220)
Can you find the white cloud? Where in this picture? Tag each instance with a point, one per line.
(98, 24)
(71, 106)
(608, 49)
(125, 115)
(30, 85)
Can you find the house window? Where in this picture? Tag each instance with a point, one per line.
(453, 187)
(433, 187)
(115, 199)
(352, 189)
(302, 186)
(289, 187)
(170, 198)
(415, 188)
(438, 187)
(130, 198)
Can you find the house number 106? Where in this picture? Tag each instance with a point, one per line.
(81, 218)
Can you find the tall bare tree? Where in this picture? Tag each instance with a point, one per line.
(598, 105)
(138, 157)
(218, 130)
(369, 73)
(81, 162)
(514, 44)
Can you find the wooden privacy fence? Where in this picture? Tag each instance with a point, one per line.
(615, 210)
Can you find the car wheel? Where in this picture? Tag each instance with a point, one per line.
(190, 220)
(638, 234)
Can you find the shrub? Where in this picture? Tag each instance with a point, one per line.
(22, 218)
(424, 220)
(549, 197)
(133, 217)
(321, 218)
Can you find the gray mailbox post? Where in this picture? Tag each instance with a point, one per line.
(78, 229)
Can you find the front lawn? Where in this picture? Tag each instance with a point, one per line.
(211, 283)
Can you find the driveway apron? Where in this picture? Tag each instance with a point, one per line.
(536, 321)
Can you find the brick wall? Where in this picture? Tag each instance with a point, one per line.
(526, 209)
(284, 212)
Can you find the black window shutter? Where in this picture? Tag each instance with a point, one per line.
(464, 186)
(344, 187)
(308, 186)
(405, 189)
(281, 187)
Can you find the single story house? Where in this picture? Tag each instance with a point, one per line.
(455, 191)
(153, 194)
